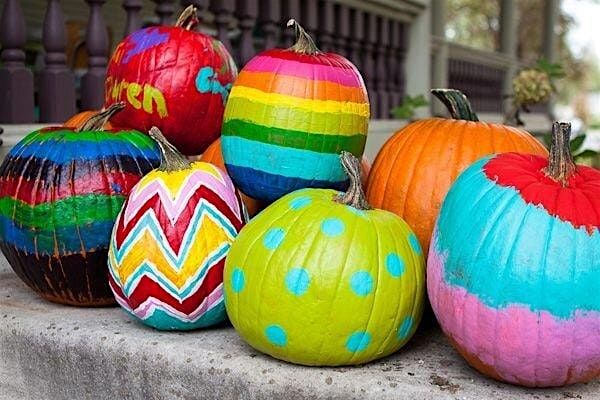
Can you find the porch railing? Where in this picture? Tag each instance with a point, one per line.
(372, 34)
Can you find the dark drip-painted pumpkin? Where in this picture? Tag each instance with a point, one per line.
(173, 78)
(60, 192)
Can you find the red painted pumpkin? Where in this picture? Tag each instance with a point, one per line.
(173, 78)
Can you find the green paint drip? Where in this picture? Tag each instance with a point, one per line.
(77, 210)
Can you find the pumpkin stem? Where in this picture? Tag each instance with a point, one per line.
(304, 43)
(188, 18)
(172, 159)
(560, 161)
(457, 104)
(354, 196)
(97, 121)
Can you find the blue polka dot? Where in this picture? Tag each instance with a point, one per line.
(358, 341)
(297, 281)
(273, 238)
(356, 211)
(394, 264)
(405, 328)
(414, 243)
(276, 335)
(332, 227)
(238, 281)
(300, 202)
(361, 283)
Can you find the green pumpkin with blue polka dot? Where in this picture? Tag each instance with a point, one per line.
(319, 278)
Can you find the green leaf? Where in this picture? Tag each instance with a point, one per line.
(407, 109)
(554, 70)
(586, 154)
(576, 143)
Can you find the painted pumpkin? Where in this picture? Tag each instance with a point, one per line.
(320, 278)
(60, 192)
(169, 244)
(77, 120)
(514, 267)
(214, 155)
(290, 114)
(417, 165)
(174, 78)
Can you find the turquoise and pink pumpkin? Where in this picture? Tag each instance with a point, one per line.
(514, 267)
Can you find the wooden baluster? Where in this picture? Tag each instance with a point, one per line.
(382, 77)
(246, 13)
(326, 25)
(356, 36)
(270, 21)
(223, 12)
(342, 33)
(16, 81)
(370, 39)
(96, 43)
(291, 9)
(164, 10)
(396, 57)
(310, 18)
(132, 8)
(56, 81)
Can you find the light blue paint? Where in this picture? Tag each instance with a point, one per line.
(414, 243)
(276, 335)
(162, 320)
(356, 211)
(207, 82)
(332, 227)
(273, 238)
(405, 328)
(394, 265)
(297, 281)
(361, 283)
(238, 280)
(300, 202)
(506, 251)
(283, 161)
(358, 341)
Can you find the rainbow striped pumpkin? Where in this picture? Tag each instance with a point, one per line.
(60, 192)
(168, 247)
(514, 267)
(289, 115)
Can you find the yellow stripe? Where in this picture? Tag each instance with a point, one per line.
(295, 119)
(317, 106)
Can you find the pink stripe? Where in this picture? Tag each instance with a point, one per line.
(345, 77)
(533, 349)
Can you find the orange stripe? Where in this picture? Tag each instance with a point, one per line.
(269, 82)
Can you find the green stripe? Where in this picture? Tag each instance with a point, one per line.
(78, 210)
(137, 138)
(295, 119)
(298, 140)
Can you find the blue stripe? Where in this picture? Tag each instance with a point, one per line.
(70, 150)
(284, 161)
(93, 236)
(162, 320)
(268, 187)
(506, 251)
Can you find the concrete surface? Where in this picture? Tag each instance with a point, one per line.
(57, 352)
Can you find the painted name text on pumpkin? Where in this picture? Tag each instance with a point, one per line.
(131, 91)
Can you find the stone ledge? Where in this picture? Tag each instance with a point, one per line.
(57, 352)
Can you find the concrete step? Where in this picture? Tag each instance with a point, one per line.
(57, 352)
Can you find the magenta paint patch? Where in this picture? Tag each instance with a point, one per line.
(523, 347)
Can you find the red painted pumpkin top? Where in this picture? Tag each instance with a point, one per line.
(173, 78)
(565, 190)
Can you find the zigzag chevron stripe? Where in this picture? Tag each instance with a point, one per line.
(169, 244)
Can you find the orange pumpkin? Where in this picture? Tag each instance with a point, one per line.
(365, 169)
(214, 156)
(416, 167)
(79, 119)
